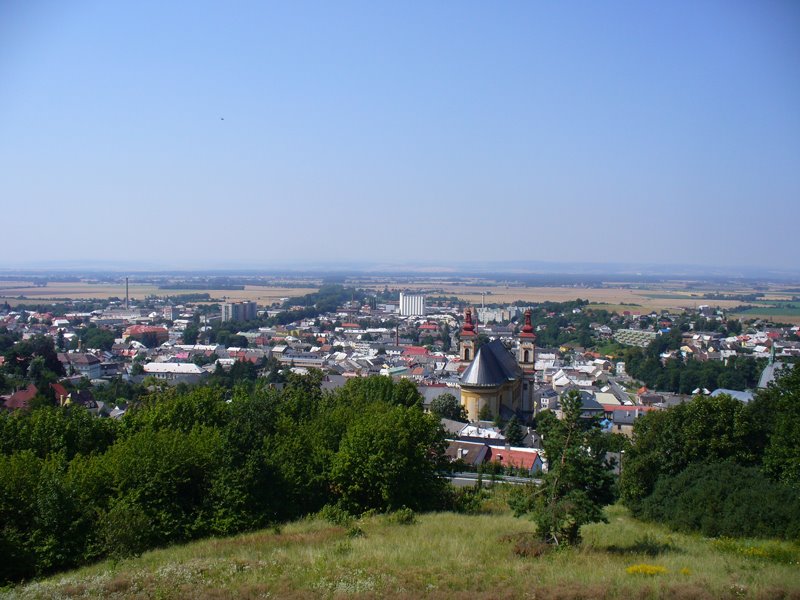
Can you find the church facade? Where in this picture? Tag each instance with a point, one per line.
(496, 380)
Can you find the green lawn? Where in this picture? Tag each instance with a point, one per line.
(442, 555)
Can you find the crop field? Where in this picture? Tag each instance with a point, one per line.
(23, 292)
(619, 298)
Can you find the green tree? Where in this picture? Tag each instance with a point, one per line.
(190, 334)
(579, 482)
(777, 410)
(514, 432)
(447, 406)
(708, 428)
(390, 457)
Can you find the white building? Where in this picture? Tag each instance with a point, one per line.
(174, 372)
(412, 305)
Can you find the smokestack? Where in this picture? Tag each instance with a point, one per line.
(126, 293)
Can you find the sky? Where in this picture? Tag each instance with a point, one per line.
(261, 133)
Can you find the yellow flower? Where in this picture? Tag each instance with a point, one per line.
(646, 570)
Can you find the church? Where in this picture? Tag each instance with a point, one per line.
(495, 378)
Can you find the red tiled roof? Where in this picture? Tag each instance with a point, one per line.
(140, 329)
(415, 351)
(512, 458)
(60, 390)
(20, 399)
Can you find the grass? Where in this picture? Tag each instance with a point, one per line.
(442, 555)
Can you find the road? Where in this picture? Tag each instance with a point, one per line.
(468, 479)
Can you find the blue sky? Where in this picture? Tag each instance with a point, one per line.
(259, 133)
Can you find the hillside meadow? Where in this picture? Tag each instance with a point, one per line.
(441, 555)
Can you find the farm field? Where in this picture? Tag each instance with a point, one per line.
(11, 291)
(646, 300)
(624, 296)
(441, 555)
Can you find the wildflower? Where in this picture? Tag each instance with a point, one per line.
(646, 570)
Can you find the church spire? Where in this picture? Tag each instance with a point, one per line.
(527, 329)
(469, 327)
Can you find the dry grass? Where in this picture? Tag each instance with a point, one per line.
(443, 555)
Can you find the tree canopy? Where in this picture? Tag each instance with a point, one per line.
(210, 460)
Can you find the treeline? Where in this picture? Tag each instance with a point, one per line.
(202, 462)
(568, 327)
(327, 299)
(719, 466)
(685, 376)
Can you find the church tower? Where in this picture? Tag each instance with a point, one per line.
(468, 336)
(526, 354)
(526, 358)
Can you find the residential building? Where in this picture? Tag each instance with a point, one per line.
(175, 373)
(412, 305)
(242, 310)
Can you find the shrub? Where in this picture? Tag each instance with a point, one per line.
(403, 516)
(724, 499)
(336, 515)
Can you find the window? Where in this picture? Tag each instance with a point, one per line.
(466, 353)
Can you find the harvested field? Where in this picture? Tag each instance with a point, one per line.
(12, 291)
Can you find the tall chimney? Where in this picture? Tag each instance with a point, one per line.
(126, 293)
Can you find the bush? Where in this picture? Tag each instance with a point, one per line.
(403, 516)
(126, 530)
(468, 500)
(335, 515)
(724, 499)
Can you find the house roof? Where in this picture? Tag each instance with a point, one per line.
(177, 368)
(735, 394)
(493, 365)
(514, 457)
(470, 453)
(21, 398)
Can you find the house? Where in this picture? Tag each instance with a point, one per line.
(590, 407)
(623, 417)
(175, 373)
(85, 364)
(528, 459)
(20, 399)
(471, 454)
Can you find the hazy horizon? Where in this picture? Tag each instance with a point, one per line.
(428, 134)
(460, 269)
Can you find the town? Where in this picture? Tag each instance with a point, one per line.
(486, 370)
